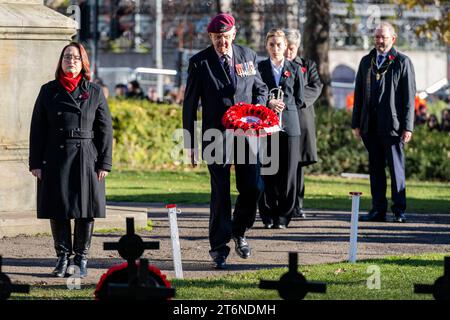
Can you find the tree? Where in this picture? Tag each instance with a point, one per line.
(316, 43)
(440, 27)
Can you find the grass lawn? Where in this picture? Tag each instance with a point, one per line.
(322, 192)
(344, 282)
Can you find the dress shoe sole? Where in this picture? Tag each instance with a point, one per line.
(372, 219)
(220, 267)
(242, 255)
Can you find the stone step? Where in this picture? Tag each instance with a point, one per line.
(25, 223)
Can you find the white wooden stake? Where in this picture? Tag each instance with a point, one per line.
(176, 251)
(354, 227)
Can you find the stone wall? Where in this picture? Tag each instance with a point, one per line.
(31, 39)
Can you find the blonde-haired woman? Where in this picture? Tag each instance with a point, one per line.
(277, 202)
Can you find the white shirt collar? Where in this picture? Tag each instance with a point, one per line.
(275, 67)
(229, 53)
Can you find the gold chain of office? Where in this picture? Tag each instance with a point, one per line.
(377, 74)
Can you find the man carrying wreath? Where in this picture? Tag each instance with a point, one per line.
(220, 76)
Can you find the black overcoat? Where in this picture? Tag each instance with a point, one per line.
(395, 98)
(307, 116)
(70, 139)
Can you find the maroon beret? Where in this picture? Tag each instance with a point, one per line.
(223, 22)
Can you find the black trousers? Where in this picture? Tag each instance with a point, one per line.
(386, 150)
(278, 200)
(221, 226)
(300, 193)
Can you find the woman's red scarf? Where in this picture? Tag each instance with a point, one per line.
(68, 82)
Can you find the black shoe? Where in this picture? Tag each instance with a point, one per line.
(299, 214)
(61, 266)
(219, 263)
(242, 247)
(62, 238)
(82, 242)
(374, 216)
(399, 217)
(81, 263)
(279, 226)
(268, 225)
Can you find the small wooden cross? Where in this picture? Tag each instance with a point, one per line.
(293, 285)
(140, 285)
(6, 287)
(146, 288)
(441, 287)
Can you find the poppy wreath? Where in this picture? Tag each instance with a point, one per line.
(253, 120)
(119, 274)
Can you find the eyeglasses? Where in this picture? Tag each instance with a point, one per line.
(69, 57)
(217, 37)
(381, 37)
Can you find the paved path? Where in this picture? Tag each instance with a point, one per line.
(321, 237)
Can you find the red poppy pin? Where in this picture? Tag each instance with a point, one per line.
(287, 73)
(391, 57)
(303, 69)
(84, 95)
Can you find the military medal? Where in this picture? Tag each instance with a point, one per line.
(239, 70)
(378, 76)
(251, 68)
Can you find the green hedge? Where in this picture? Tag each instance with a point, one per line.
(143, 133)
(143, 139)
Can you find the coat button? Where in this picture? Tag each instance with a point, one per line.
(78, 145)
(61, 129)
(79, 112)
(44, 162)
(59, 113)
(61, 146)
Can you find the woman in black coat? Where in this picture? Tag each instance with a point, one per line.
(307, 116)
(276, 205)
(71, 154)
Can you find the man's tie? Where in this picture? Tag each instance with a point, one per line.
(379, 60)
(226, 65)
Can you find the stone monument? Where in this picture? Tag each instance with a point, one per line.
(31, 39)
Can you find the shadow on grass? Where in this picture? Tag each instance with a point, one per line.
(408, 262)
(319, 202)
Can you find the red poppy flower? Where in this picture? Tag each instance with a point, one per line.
(303, 69)
(287, 73)
(391, 57)
(250, 120)
(84, 95)
(119, 274)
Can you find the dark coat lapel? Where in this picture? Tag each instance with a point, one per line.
(65, 98)
(84, 87)
(267, 72)
(216, 67)
(283, 76)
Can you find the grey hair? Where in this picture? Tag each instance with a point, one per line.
(293, 36)
(385, 24)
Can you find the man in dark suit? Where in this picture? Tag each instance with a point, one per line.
(221, 75)
(307, 116)
(383, 116)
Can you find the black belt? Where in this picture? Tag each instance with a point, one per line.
(79, 134)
